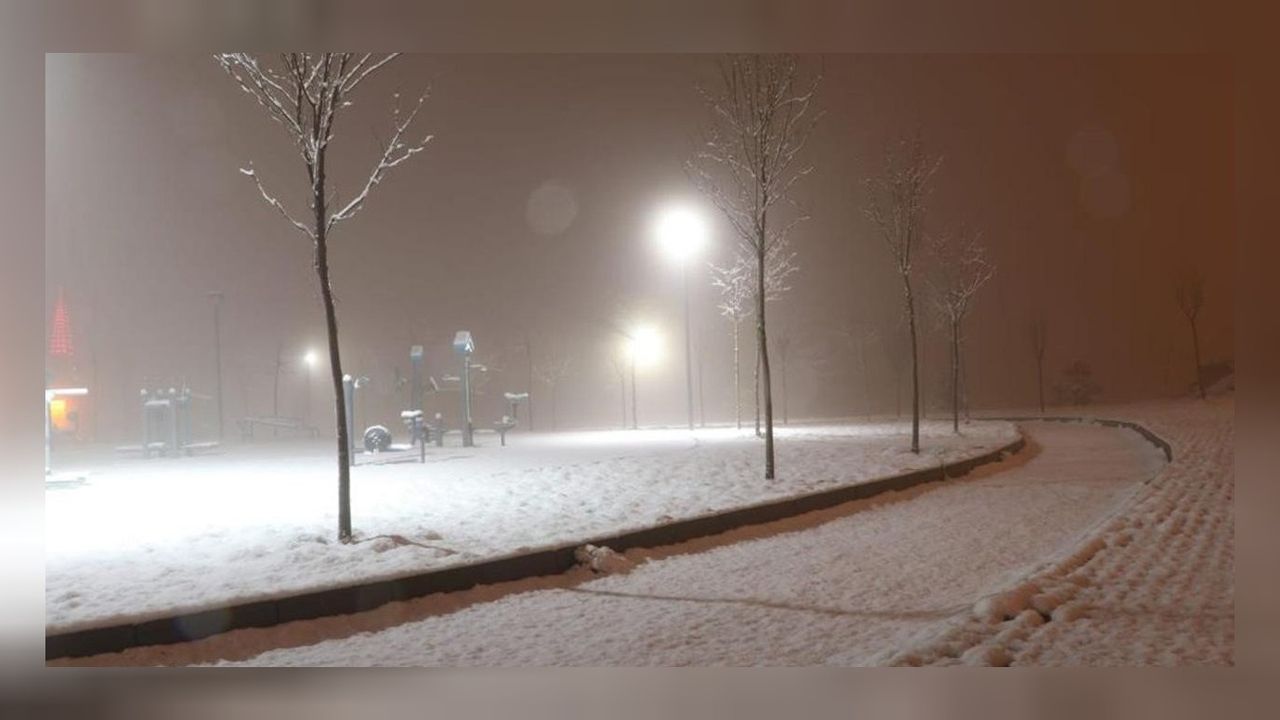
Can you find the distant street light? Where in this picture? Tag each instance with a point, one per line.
(310, 359)
(643, 348)
(682, 234)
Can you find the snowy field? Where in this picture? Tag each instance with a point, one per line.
(147, 538)
(848, 585)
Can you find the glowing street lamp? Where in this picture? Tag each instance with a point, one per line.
(309, 359)
(682, 234)
(643, 348)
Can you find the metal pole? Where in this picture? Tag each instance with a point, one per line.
(217, 353)
(466, 401)
(634, 424)
(688, 350)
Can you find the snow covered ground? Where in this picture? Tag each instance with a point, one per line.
(848, 585)
(147, 538)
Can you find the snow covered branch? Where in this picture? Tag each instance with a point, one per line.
(275, 203)
(962, 270)
(395, 153)
(304, 93)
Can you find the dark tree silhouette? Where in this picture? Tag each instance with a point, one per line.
(1039, 342)
(962, 269)
(305, 93)
(897, 209)
(1189, 294)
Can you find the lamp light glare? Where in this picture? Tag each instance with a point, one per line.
(681, 233)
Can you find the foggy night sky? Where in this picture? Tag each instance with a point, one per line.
(1095, 180)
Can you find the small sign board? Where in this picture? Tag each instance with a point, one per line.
(462, 343)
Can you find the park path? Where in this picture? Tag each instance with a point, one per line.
(850, 585)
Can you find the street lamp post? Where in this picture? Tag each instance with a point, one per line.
(634, 424)
(642, 347)
(682, 234)
(216, 296)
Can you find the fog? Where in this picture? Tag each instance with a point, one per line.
(1096, 181)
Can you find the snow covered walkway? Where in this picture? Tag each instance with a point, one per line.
(850, 585)
(1156, 585)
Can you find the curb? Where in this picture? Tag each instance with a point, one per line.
(554, 561)
(1151, 437)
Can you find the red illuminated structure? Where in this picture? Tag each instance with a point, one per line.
(61, 370)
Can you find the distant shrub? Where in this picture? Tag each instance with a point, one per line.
(1077, 386)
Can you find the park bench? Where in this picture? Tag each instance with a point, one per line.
(249, 424)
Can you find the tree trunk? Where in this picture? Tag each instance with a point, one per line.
(915, 368)
(737, 375)
(1195, 345)
(755, 397)
(782, 361)
(763, 351)
(335, 360)
(955, 377)
(1040, 381)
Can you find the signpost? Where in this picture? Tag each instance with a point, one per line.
(463, 345)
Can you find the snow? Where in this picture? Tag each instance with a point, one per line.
(1152, 585)
(1086, 548)
(149, 538)
(849, 585)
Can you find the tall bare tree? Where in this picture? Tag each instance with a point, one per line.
(1039, 342)
(1189, 294)
(762, 114)
(305, 93)
(897, 209)
(961, 270)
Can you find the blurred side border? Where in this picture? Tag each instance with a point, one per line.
(1242, 30)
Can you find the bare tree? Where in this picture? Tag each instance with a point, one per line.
(896, 209)
(1039, 342)
(305, 93)
(737, 285)
(552, 369)
(734, 283)
(1189, 293)
(761, 118)
(961, 271)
